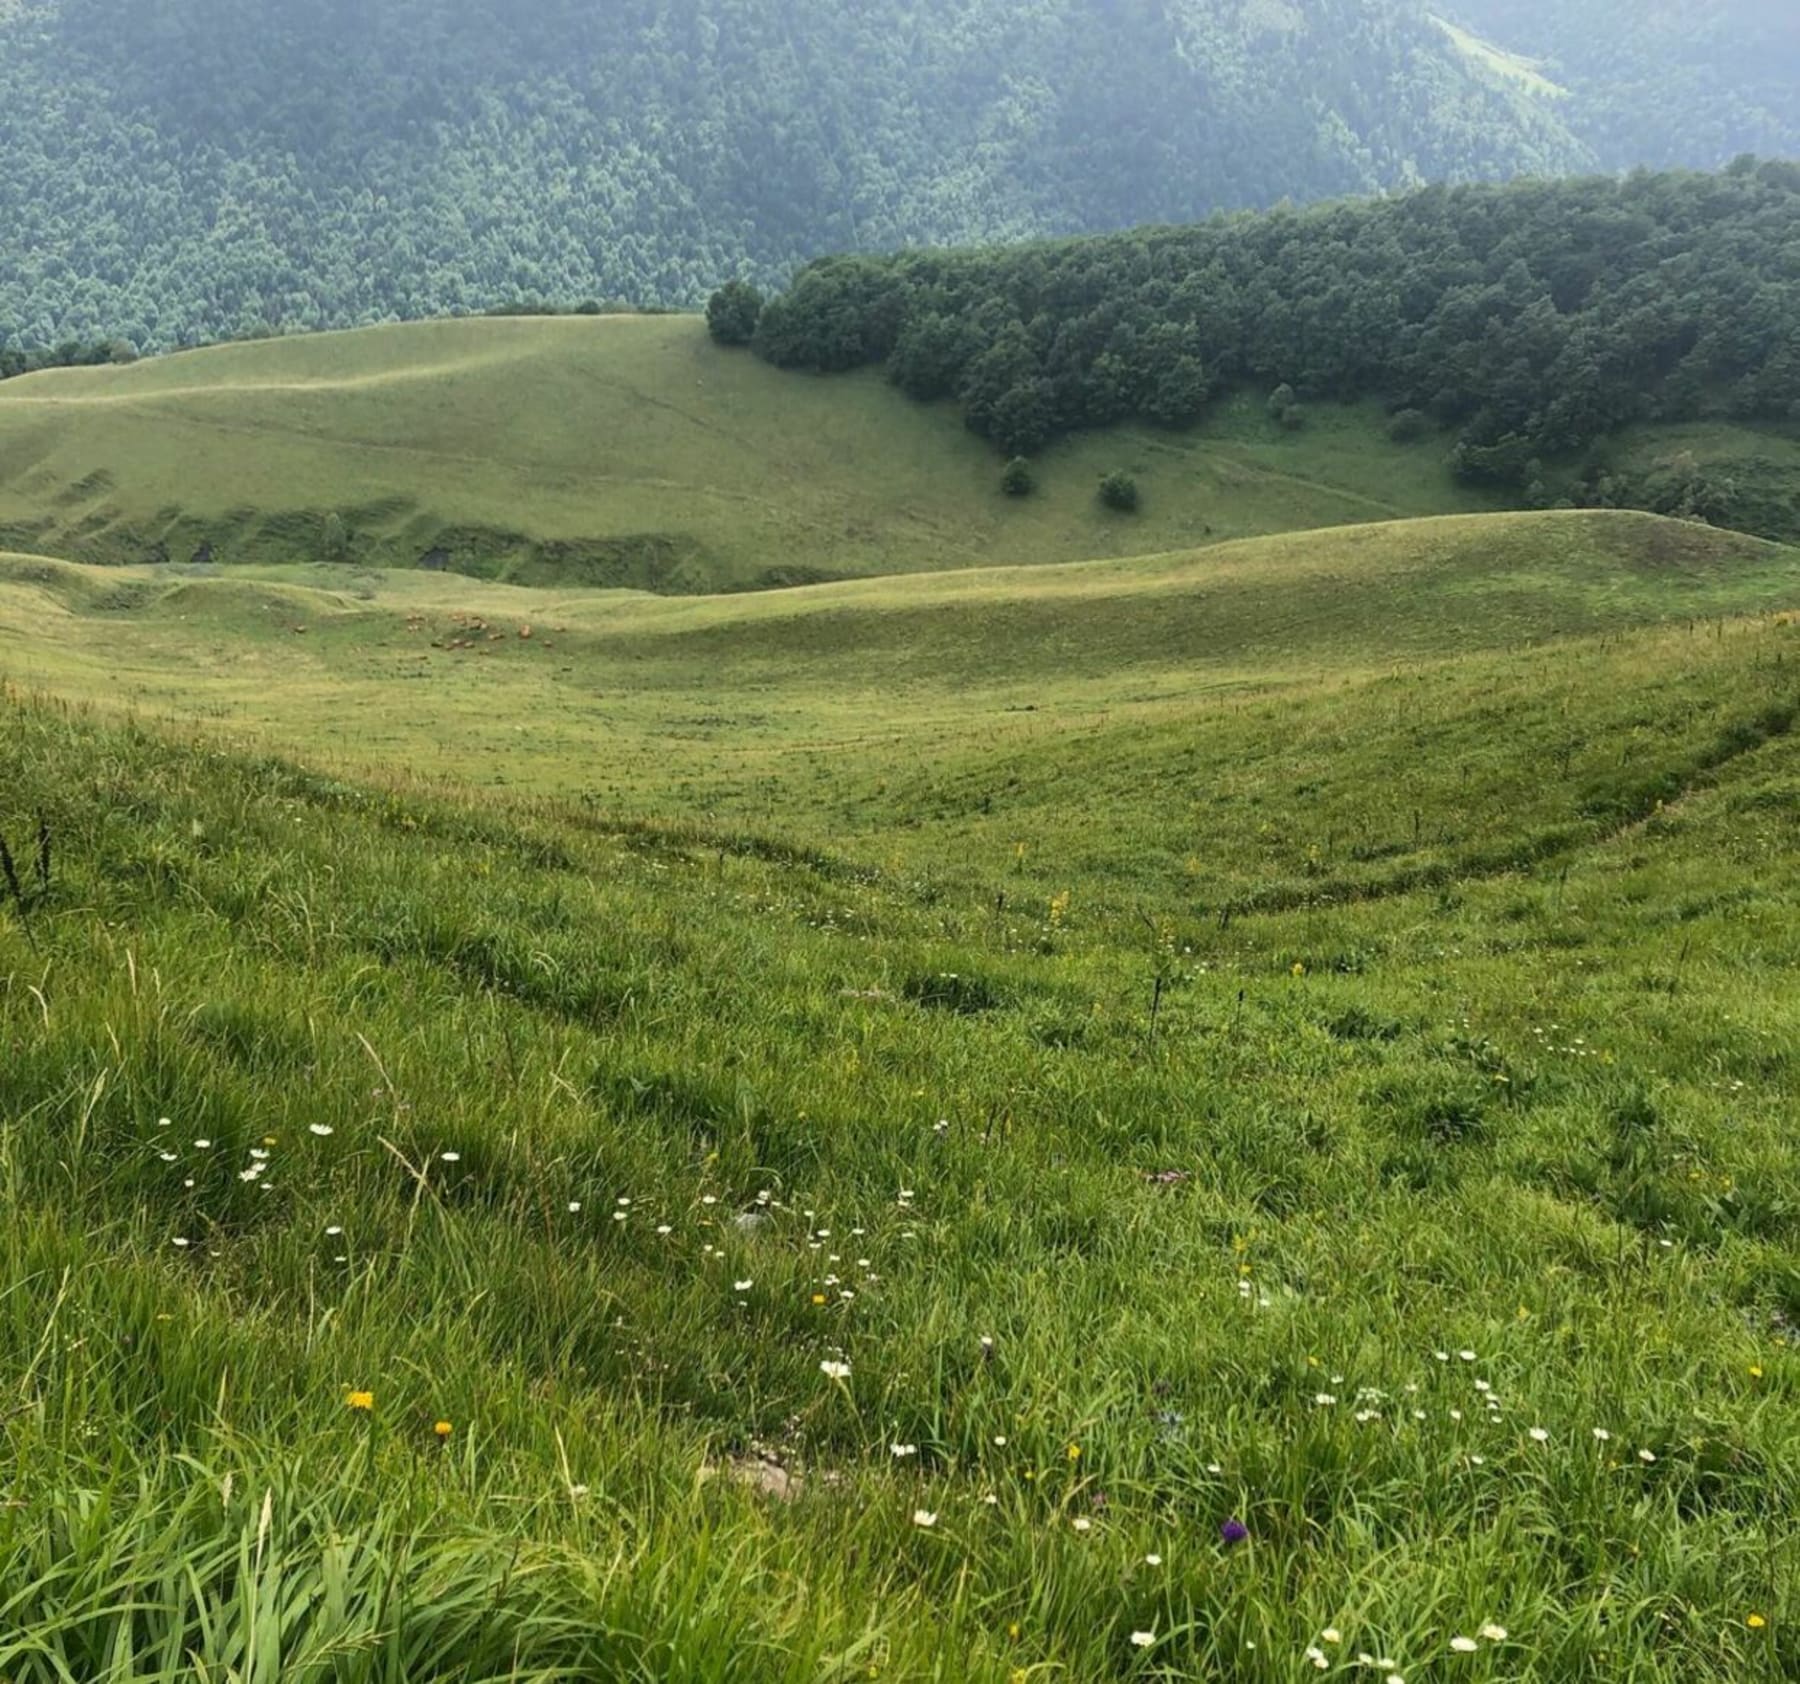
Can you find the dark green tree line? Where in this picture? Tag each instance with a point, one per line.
(1533, 318)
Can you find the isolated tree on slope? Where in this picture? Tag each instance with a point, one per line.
(733, 312)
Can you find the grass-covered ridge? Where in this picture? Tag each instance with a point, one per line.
(1147, 1098)
(631, 452)
(724, 701)
(621, 451)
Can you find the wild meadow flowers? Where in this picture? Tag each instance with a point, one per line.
(593, 1011)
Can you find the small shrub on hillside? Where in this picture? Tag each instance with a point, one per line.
(1409, 426)
(733, 312)
(334, 540)
(1017, 479)
(1119, 491)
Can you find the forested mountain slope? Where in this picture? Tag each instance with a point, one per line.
(1659, 82)
(182, 169)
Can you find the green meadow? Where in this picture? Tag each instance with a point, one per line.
(1226, 1113)
(627, 451)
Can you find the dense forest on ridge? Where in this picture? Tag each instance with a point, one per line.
(1534, 317)
(179, 170)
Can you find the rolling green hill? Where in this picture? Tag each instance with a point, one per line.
(626, 697)
(630, 451)
(622, 451)
(1149, 1119)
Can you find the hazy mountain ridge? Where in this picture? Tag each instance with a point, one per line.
(1666, 82)
(192, 168)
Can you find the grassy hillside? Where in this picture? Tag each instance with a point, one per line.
(884, 1192)
(626, 697)
(625, 450)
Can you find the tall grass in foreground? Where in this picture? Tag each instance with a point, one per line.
(451, 1242)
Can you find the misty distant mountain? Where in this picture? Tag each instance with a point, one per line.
(174, 169)
(1657, 82)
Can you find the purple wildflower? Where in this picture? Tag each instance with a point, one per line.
(1234, 1531)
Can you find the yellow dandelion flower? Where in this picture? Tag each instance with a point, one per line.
(442, 1430)
(363, 1401)
(1073, 1452)
(1756, 1622)
(818, 1298)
